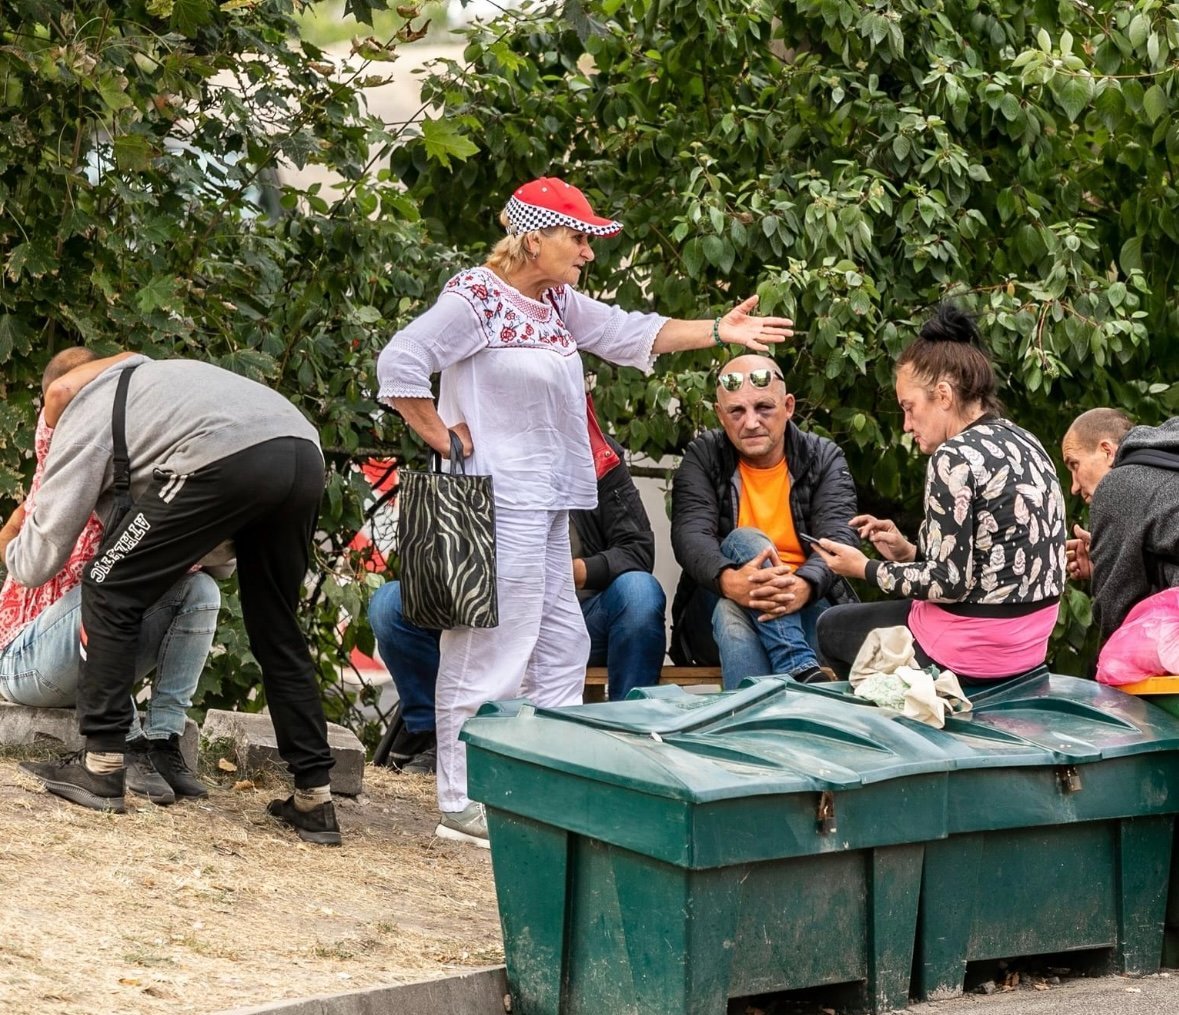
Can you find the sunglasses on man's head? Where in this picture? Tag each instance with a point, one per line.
(760, 378)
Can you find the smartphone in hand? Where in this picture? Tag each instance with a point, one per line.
(804, 538)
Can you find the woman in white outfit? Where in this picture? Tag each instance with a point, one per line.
(506, 338)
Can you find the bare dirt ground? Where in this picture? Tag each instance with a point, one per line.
(210, 905)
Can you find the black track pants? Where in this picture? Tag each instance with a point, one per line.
(266, 499)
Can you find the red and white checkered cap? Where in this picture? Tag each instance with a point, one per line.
(552, 202)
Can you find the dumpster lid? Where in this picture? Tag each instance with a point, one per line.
(760, 739)
(1055, 719)
(1075, 720)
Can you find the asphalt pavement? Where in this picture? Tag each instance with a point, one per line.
(1104, 995)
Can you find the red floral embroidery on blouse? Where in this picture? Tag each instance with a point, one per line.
(19, 606)
(510, 318)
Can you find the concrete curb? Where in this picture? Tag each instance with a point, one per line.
(23, 725)
(477, 993)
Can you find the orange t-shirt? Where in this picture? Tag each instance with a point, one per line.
(765, 505)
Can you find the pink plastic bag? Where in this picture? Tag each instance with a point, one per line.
(1147, 643)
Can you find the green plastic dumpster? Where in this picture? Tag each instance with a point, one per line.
(1069, 851)
(666, 853)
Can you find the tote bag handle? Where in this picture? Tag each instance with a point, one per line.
(458, 467)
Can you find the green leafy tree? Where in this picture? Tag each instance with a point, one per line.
(139, 208)
(853, 163)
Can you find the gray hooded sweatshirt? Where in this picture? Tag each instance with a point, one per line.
(1134, 518)
(181, 416)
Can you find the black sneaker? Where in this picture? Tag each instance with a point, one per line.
(408, 747)
(142, 777)
(69, 777)
(170, 763)
(317, 825)
(814, 675)
(425, 763)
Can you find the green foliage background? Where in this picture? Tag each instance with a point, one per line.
(852, 162)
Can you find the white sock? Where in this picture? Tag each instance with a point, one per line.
(309, 799)
(103, 762)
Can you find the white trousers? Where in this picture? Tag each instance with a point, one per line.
(538, 651)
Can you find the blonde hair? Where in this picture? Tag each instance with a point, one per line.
(511, 253)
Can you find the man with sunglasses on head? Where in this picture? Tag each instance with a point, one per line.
(744, 500)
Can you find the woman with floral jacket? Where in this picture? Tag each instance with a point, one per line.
(982, 584)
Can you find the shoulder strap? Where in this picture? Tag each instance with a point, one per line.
(122, 461)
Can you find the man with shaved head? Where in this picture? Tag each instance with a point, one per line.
(1129, 477)
(744, 501)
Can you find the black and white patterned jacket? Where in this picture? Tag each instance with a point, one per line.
(994, 527)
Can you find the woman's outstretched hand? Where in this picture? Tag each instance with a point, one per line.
(739, 327)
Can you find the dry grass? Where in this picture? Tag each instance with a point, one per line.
(208, 905)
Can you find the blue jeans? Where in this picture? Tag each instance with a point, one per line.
(749, 647)
(42, 665)
(410, 654)
(626, 629)
(625, 625)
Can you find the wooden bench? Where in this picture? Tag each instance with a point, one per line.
(685, 676)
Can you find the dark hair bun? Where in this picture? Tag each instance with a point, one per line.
(950, 324)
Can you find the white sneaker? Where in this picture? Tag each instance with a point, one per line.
(467, 825)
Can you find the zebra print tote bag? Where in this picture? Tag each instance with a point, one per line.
(446, 540)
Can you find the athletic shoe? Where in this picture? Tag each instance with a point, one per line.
(169, 761)
(425, 763)
(408, 747)
(467, 825)
(317, 825)
(69, 778)
(814, 675)
(142, 777)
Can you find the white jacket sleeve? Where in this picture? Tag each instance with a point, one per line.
(616, 335)
(443, 335)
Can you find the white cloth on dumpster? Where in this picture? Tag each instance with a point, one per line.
(886, 672)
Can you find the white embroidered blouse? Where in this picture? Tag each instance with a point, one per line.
(511, 370)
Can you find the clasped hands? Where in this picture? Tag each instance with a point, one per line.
(767, 585)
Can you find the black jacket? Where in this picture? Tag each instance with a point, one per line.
(704, 505)
(1134, 517)
(616, 537)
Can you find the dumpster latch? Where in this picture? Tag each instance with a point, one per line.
(825, 815)
(1069, 778)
